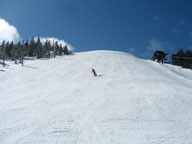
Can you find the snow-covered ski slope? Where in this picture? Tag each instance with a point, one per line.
(58, 101)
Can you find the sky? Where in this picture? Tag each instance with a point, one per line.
(139, 27)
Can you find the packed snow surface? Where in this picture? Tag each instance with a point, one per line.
(132, 101)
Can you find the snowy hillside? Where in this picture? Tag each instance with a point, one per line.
(58, 101)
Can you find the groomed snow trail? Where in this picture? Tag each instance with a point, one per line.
(58, 101)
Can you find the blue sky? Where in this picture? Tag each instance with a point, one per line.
(135, 26)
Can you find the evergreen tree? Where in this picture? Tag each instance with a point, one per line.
(180, 53)
(14, 54)
(182, 58)
(7, 49)
(31, 48)
(39, 48)
(22, 53)
(3, 52)
(56, 47)
(11, 46)
(19, 51)
(47, 47)
(66, 50)
(60, 51)
(26, 48)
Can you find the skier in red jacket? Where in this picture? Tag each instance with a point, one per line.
(93, 71)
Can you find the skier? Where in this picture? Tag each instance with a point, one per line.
(93, 71)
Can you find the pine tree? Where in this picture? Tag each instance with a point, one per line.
(60, 49)
(23, 51)
(47, 47)
(182, 58)
(7, 49)
(180, 53)
(66, 50)
(39, 48)
(11, 47)
(32, 47)
(56, 47)
(19, 51)
(14, 54)
(3, 52)
(26, 48)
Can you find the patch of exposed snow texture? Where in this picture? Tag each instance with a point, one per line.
(58, 101)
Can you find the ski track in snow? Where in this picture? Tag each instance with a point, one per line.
(58, 101)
